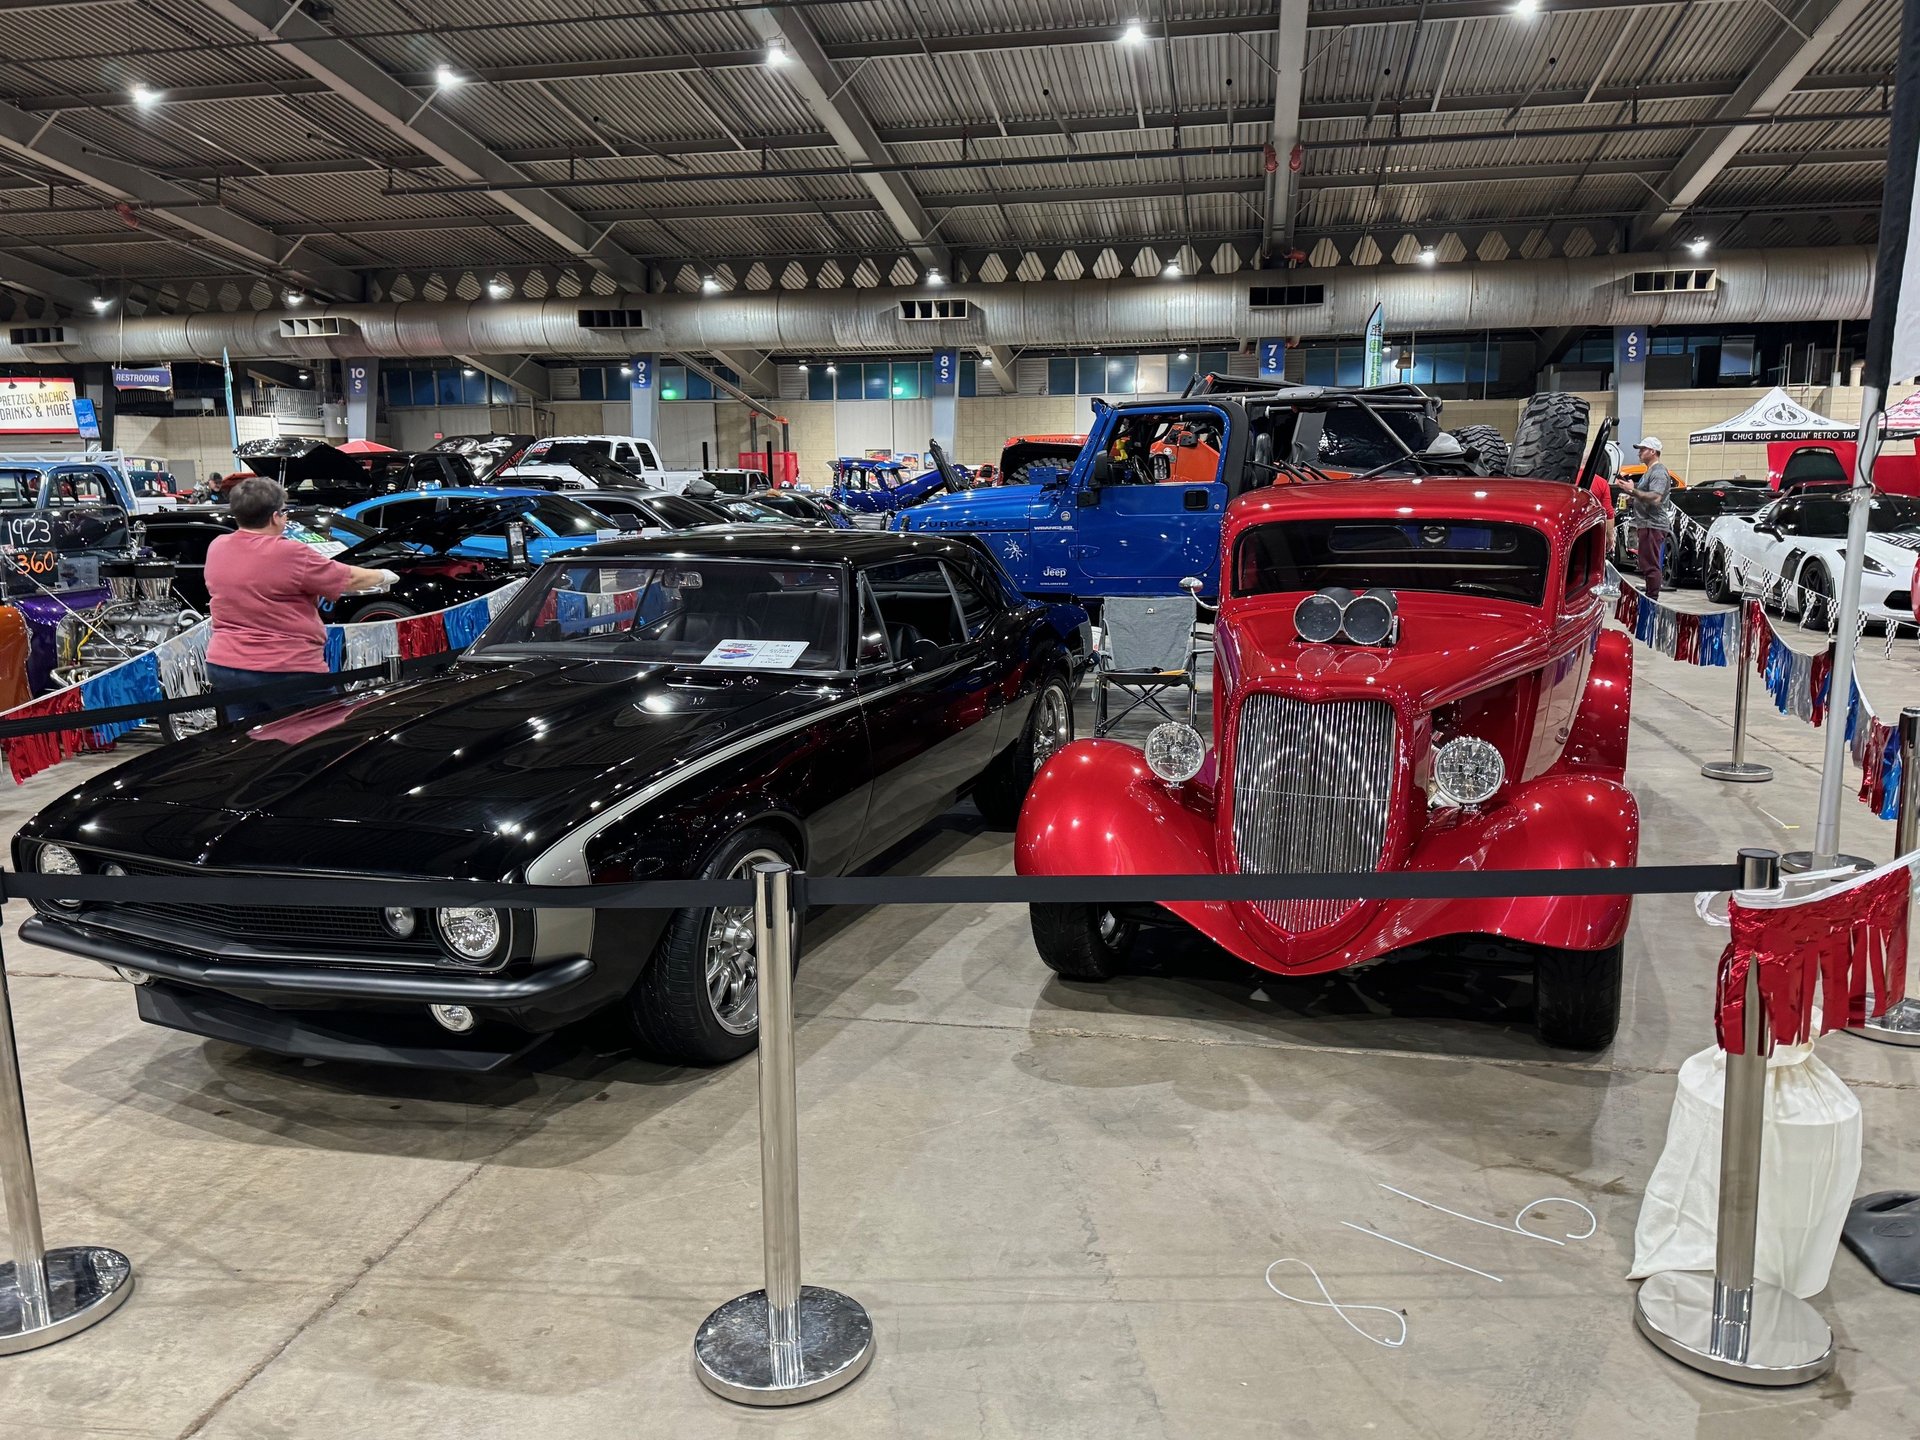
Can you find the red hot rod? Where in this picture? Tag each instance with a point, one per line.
(1409, 674)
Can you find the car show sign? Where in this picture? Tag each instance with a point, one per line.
(1273, 359)
(31, 405)
(1376, 347)
(145, 377)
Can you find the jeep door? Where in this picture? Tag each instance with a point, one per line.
(1142, 533)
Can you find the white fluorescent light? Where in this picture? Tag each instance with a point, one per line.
(777, 53)
(709, 284)
(1172, 272)
(498, 289)
(144, 97)
(1133, 34)
(1697, 246)
(1428, 255)
(445, 78)
(102, 303)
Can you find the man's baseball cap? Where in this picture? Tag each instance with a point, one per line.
(1652, 442)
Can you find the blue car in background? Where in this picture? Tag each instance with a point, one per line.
(878, 488)
(553, 522)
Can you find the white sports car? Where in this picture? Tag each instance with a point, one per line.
(1803, 539)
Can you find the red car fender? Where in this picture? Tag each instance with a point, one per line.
(1096, 809)
(1597, 744)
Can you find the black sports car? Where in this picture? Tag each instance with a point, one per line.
(430, 579)
(647, 708)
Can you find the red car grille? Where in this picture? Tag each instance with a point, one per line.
(1312, 793)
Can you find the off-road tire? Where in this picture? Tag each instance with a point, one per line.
(1022, 474)
(1494, 457)
(1550, 443)
(1081, 942)
(1576, 997)
(1713, 576)
(668, 1008)
(1003, 788)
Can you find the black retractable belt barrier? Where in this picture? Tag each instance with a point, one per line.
(302, 685)
(864, 890)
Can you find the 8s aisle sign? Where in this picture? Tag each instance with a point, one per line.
(946, 367)
(1273, 359)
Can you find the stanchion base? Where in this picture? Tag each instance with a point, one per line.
(1741, 772)
(1799, 862)
(1883, 1229)
(1899, 1026)
(1787, 1343)
(733, 1358)
(85, 1284)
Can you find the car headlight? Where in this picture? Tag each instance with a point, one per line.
(1175, 752)
(473, 933)
(58, 860)
(1874, 567)
(400, 921)
(1468, 771)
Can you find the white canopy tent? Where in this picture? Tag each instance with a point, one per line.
(1776, 415)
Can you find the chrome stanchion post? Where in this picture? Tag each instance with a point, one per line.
(1739, 768)
(787, 1342)
(1899, 1022)
(44, 1295)
(1728, 1324)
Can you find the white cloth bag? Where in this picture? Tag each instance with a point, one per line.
(1809, 1165)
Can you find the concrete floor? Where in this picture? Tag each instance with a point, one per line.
(1056, 1200)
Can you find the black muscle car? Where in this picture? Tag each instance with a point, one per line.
(648, 708)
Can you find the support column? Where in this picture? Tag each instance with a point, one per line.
(1630, 346)
(363, 398)
(96, 383)
(643, 398)
(946, 394)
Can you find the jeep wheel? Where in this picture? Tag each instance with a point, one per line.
(1550, 442)
(1081, 942)
(1489, 447)
(1003, 789)
(1576, 997)
(698, 1000)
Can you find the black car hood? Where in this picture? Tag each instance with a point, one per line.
(468, 775)
(443, 529)
(292, 460)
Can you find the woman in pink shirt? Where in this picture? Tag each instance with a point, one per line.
(263, 590)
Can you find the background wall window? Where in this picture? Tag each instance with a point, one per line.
(416, 386)
(1130, 374)
(883, 380)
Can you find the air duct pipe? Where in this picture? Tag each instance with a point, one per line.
(1752, 287)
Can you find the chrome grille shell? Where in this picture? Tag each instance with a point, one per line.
(1313, 790)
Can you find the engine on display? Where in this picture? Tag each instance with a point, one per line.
(140, 612)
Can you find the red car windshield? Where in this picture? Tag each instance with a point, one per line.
(1477, 557)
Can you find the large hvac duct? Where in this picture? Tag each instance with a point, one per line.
(1747, 288)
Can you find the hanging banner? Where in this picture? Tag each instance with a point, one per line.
(30, 405)
(85, 418)
(146, 377)
(1376, 347)
(233, 416)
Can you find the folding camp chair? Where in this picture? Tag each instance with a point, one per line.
(1147, 650)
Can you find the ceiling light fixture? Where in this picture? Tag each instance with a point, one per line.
(296, 298)
(804, 367)
(833, 369)
(144, 97)
(1133, 34)
(710, 284)
(933, 278)
(777, 52)
(626, 369)
(306, 375)
(468, 370)
(102, 304)
(1697, 245)
(1428, 255)
(499, 289)
(1172, 272)
(445, 78)
(1181, 356)
(1526, 7)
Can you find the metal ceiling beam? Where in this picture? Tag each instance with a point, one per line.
(49, 146)
(522, 372)
(1568, 169)
(20, 273)
(1808, 30)
(812, 74)
(758, 374)
(1290, 62)
(726, 386)
(348, 73)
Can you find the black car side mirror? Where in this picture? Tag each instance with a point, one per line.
(1087, 499)
(923, 654)
(1100, 472)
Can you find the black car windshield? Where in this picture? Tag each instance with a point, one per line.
(1476, 557)
(18, 488)
(562, 516)
(1826, 518)
(680, 514)
(718, 614)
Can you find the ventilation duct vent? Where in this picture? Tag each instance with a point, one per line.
(1667, 282)
(936, 310)
(28, 335)
(612, 320)
(1285, 297)
(315, 327)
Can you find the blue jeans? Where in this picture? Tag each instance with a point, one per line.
(224, 677)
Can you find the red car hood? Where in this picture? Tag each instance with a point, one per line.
(1449, 646)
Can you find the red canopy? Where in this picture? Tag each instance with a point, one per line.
(365, 447)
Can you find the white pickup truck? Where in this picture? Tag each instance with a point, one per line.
(554, 462)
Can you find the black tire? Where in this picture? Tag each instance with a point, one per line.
(1003, 789)
(1576, 997)
(1023, 474)
(1081, 942)
(1670, 568)
(675, 1017)
(1816, 589)
(1491, 453)
(1713, 576)
(379, 610)
(1550, 442)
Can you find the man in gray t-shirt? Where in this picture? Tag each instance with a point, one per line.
(1652, 514)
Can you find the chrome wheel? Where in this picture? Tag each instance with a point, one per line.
(1052, 723)
(733, 961)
